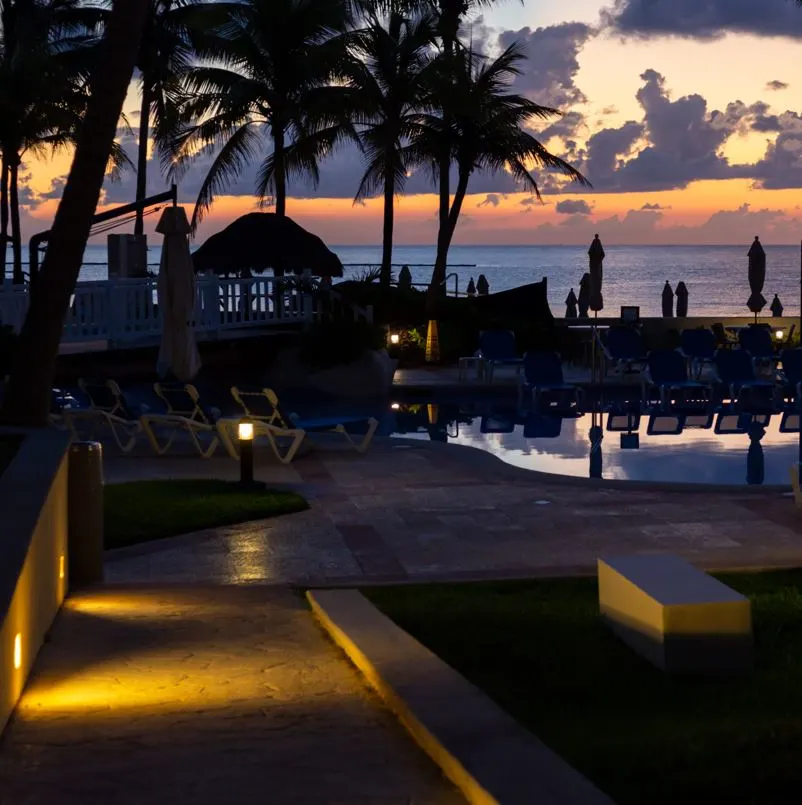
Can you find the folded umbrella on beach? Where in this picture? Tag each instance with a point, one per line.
(682, 300)
(668, 301)
(584, 295)
(570, 305)
(757, 276)
(596, 255)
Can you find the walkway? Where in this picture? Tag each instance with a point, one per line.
(422, 511)
(204, 695)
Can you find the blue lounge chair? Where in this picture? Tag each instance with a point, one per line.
(728, 424)
(499, 421)
(262, 408)
(665, 424)
(667, 371)
(791, 373)
(623, 348)
(736, 373)
(698, 347)
(497, 347)
(184, 412)
(542, 426)
(757, 342)
(107, 407)
(543, 374)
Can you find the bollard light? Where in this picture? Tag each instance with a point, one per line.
(245, 433)
(779, 335)
(395, 338)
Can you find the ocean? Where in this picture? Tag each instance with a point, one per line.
(716, 276)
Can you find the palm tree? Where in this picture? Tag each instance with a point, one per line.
(486, 131)
(27, 398)
(165, 54)
(45, 51)
(389, 78)
(268, 67)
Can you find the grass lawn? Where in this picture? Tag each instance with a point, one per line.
(540, 650)
(145, 510)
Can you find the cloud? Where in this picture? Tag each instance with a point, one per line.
(573, 207)
(648, 206)
(549, 76)
(491, 200)
(704, 19)
(677, 142)
(777, 85)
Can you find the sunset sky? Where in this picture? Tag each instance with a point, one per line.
(685, 115)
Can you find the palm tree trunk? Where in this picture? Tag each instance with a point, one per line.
(453, 219)
(387, 229)
(3, 211)
(16, 229)
(27, 398)
(142, 156)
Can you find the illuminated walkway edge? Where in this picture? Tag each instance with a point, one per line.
(491, 758)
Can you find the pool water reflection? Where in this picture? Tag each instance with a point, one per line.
(724, 447)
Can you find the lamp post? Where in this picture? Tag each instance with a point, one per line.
(245, 434)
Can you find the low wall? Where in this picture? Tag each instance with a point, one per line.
(33, 555)
(657, 327)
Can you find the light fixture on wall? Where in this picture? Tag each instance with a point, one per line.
(17, 651)
(395, 339)
(779, 335)
(61, 566)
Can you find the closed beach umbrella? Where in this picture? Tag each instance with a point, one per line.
(471, 289)
(596, 255)
(668, 301)
(178, 352)
(584, 295)
(682, 300)
(570, 305)
(482, 285)
(776, 307)
(757, 276)
(596, 459)
(755, 460)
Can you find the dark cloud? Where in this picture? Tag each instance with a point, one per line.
(777, 85)
(704, 19)
(573, 207)
(683, 143)
(648, 206)
(491, 200)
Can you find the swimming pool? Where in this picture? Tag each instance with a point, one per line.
(703, 448)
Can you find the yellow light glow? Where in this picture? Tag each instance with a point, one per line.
(779, 335)
(395, 406)
(61, 566)
(245, 431)
(17, 651)
(395, 338)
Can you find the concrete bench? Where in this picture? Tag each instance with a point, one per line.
(678, 617)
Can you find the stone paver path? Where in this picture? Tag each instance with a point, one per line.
(423, 511)
(157, 696)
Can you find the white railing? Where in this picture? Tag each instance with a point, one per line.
(127, 311)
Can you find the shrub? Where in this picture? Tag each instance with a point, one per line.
(337, 343)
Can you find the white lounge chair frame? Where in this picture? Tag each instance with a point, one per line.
(283, 427)
(124, 431)
(194, 422)
(228, 432)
